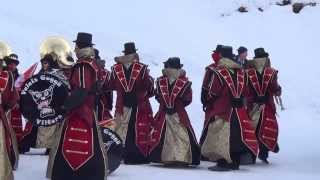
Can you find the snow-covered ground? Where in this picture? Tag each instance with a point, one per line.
(190, 29)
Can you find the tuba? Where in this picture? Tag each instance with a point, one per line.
(4, 50)
(60, 50)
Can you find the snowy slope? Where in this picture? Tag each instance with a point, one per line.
(189, 29)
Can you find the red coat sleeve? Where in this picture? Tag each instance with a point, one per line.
(148, 83)
(185, 97)
(275, 88)
(215, 86)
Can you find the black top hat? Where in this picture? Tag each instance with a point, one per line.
(242, 50)
(12, 58)
(173, 62)
(129, 48)
(84, 40)
(227, 52)
(218, 48)
(260, 53)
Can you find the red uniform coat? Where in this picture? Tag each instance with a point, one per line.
(206, 95)
(8, 98)
(263, 88)
(78, 146)
(221, 90)
(141, 84)
(176, 98)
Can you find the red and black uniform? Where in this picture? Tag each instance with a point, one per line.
(228, 131)
(16, 116)
(172, 120)
(133, 113)
(80, 153)
(263, 88)
(9, 149)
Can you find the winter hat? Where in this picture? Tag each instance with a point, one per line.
(12, 58)
(173, 62)
(242, 50)
(84, 40)
(227, 52)
(218, 48)
(129, 48)
(260, 53)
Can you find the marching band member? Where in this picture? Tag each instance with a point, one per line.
(12, 62)
(173, 141)
(42, 137)
(264, 87)
(80, 154)
(134, 86)
(8, 147)
(228, 132)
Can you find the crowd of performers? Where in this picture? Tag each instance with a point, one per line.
(238, 97)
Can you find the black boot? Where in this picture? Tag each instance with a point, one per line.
(263, 154)
(223, 165)
(247, 159)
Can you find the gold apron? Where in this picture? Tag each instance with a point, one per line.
(5, 165)
(47, 136)
(122, 123)
(255, 114)
(176, 146)
(217, 143)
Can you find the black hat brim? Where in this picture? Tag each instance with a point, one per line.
(125, 50)
(262, 55)
(180, 66)
(75, 41)
(9, 61)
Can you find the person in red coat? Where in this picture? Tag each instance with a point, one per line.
(173, 141)
(263, 88)
(80, 153)
(216, 56)
(106, 96)
(12, 62)
(228, 131)
(8, 146)
(133, 114)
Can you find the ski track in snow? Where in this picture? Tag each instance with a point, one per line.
(189, 29)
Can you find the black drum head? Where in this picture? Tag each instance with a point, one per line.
(114, 148)
(41, 99)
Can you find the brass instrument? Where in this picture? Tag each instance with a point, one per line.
(4, 50)
(59, 48)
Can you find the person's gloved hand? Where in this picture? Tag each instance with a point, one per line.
(169, 111)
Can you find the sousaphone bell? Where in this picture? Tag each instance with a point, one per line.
(4, 50)
(60, 49)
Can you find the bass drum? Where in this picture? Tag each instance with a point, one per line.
(41, 100)
(114, 148)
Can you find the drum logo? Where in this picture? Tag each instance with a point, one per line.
(43, 100)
